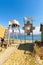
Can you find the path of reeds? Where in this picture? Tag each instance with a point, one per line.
(15, 56)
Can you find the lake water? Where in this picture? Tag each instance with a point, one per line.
(23, 37)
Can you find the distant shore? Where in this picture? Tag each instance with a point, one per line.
(20, 41)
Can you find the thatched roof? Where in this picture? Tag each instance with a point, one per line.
(15, 22)
(27, 19)
(28, 25)
(2, 31)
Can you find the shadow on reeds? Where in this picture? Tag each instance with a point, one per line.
(39, 43)
(26, 47)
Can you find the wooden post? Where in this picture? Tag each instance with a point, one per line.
(42, 34)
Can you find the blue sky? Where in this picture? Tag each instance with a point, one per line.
(17, 9)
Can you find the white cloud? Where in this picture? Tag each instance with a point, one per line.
(10, 30)
(21, 31)
(37, 30)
